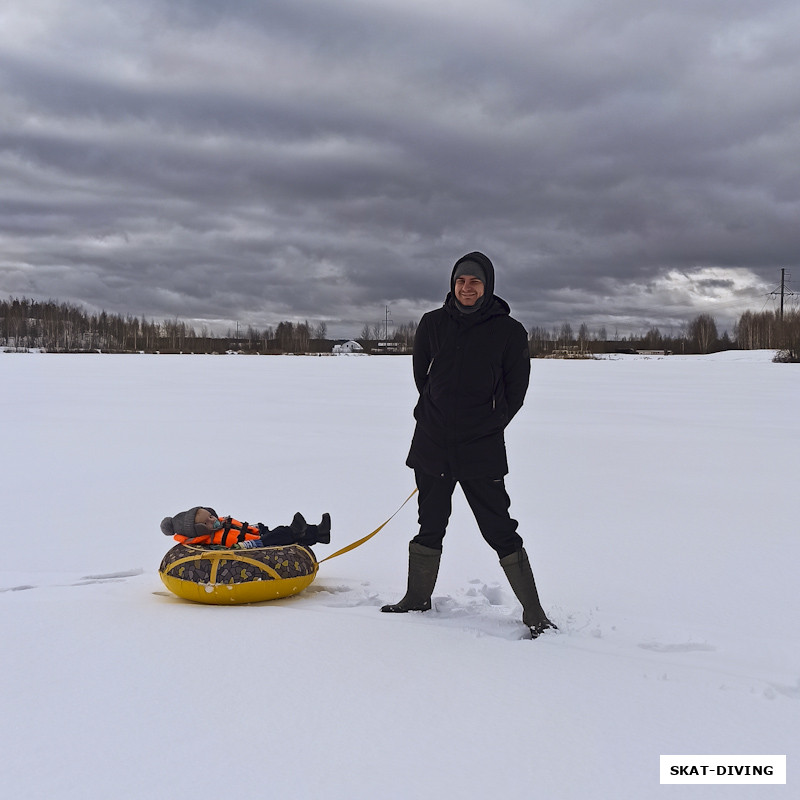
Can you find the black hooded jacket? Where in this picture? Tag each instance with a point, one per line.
(472, 373)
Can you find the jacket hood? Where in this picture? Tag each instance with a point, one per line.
(491, 306)
(488, 269)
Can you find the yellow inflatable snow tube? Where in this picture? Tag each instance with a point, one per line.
(228, 577)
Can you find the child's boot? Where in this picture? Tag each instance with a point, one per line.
(298, 525)
(318, 534)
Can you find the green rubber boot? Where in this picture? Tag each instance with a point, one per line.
(520, 576)
(423, 569)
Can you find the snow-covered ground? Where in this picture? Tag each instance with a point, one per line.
(657, 497)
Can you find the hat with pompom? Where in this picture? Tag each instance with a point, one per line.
(183, 524)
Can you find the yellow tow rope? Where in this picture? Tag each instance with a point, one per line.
(369, 535)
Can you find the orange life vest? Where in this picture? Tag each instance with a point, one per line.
(231, 532)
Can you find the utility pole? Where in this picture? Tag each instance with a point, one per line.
(783, 289)
(386, 325)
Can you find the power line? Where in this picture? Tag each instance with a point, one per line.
(783, 291)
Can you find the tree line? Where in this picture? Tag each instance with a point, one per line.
(766, 330)
(67, 328)
(64, 327)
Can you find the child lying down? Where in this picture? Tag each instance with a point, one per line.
(201, 526)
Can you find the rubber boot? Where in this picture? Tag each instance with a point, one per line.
(298, 525)
(423, 569)
(520, 576)
(324, 529)
(317, 534)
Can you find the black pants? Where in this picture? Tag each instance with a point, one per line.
(280, 536)
(488, 500)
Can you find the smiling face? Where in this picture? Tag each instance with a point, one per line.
(468, 289)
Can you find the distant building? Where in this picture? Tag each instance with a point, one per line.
(347, 347)
(384, 348)
(573, 351)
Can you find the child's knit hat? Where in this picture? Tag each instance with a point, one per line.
(183, 524)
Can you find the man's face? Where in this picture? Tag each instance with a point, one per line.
(468, 290)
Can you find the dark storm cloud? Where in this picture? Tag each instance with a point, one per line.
(624, 164)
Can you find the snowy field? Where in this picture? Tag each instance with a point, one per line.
(657, 498)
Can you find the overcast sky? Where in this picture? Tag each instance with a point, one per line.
(624, 163)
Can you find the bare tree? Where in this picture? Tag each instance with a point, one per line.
(583, 336)
(703, 332)
(539, 341)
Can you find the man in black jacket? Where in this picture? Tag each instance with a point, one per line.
(471, 367)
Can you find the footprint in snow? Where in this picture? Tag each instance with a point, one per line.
(108, 577)
(688, 647)
(86, 580)
(787, 691)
